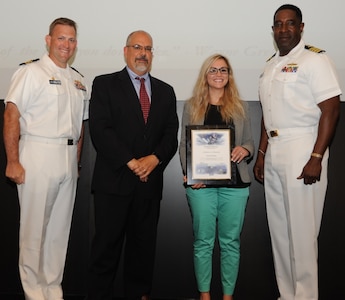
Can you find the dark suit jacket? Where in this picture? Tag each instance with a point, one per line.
(119, 133)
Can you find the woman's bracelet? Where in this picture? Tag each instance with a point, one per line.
(262, 152)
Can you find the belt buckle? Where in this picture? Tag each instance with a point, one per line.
(69, 142)
(274, 133)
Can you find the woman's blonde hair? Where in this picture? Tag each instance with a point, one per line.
(231, 106)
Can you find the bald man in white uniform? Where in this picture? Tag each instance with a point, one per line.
(299, 93)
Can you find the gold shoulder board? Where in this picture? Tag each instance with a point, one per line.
(314, 49)
(29, 61)
(271, 57)
(77, 71)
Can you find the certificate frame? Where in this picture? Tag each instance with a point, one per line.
(208, 150)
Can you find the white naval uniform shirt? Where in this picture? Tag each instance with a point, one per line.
(52, 101)
(291, 86)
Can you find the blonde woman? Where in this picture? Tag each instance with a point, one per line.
(216, 101)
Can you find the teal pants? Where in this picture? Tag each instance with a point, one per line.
(227, 207)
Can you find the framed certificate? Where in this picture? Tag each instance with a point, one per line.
(208, 151)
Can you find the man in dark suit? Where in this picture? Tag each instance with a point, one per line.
(128, 176)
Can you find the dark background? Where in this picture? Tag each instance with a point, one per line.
(174, 276)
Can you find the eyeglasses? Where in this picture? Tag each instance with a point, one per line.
(214, 71)
(138, 48)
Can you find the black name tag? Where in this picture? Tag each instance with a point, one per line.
(55, 81)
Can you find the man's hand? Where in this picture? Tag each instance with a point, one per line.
(259, 168)
(143, 166)
(15, 172)
(311, 171)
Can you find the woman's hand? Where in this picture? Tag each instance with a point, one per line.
(238, 154)
(194, 186)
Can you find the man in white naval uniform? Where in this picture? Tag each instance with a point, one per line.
(299, 94)
(45, 107)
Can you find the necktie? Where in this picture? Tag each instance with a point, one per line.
(144, 98)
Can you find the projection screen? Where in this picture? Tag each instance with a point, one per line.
(185, 32)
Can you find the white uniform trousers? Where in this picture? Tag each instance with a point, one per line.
(46, 205)
(294, 212)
